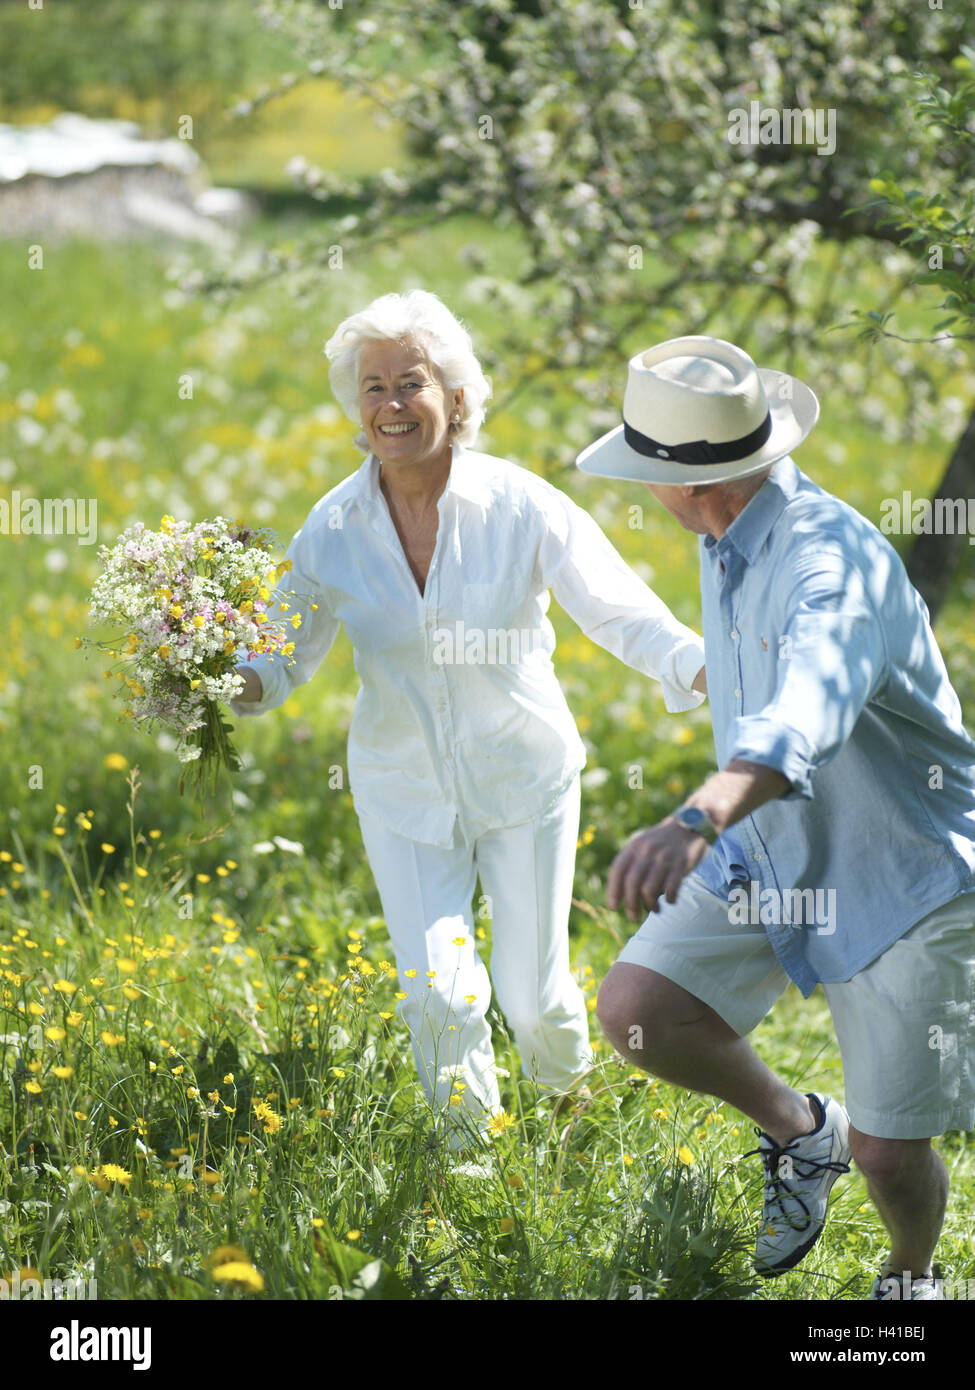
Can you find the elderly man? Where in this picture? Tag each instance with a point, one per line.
(835, 846)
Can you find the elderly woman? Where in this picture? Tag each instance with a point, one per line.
(464, 759)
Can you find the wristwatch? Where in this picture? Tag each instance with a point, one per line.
(693, 818)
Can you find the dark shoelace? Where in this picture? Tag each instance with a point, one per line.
(776, 1191)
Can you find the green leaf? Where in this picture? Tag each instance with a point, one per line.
(360, 1275)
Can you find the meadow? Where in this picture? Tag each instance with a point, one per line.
(207, 1092)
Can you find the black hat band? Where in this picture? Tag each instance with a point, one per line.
(699, 450)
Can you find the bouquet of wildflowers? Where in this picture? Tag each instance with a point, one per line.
(187, 599)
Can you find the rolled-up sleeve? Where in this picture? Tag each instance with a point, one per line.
(832, 660)
(313, 638)
(613, 606)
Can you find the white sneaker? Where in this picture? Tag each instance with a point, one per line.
(923, 1290)
(798, 1178)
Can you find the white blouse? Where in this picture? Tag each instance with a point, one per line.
(460, 718)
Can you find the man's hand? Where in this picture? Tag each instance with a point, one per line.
(653, 863)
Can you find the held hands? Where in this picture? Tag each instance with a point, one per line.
(652, 863)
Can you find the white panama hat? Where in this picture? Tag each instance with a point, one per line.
(698, 410)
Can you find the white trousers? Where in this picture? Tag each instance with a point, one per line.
(526, 874)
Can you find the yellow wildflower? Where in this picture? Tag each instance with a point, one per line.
(242, 1275)
(111, 1172)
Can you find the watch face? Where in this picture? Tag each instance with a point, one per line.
(693, 818)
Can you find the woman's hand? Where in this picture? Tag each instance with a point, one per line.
(253, 688)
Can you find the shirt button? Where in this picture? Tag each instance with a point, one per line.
(756, 857)
(734, 634)
(737, 694)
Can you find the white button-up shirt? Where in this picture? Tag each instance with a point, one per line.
(460, 721)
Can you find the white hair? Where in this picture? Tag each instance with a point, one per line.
(421, 317)
(742, 489)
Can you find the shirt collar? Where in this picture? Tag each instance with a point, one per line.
(750, 529)
(467, 479)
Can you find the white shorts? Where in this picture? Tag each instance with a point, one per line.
(905, 1024)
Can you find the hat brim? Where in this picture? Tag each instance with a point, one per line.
(793, 418)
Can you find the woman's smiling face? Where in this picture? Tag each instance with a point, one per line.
(405, 407)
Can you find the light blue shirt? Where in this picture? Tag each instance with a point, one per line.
(821, 662)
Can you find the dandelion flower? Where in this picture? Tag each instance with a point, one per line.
(111, 1172)
(226, 1254)
(269, 1118)
(241, 1274)
(500, 1122)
